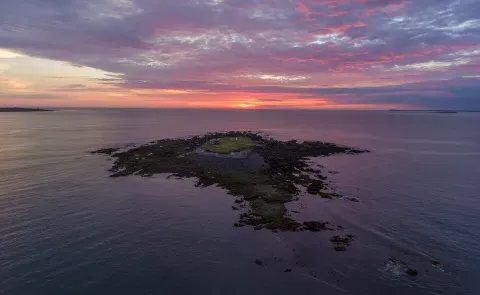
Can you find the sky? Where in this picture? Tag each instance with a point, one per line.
(331, 54)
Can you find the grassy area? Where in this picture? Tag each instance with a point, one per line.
(227, 145)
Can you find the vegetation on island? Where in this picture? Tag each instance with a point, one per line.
(270, 174)
(227, 145)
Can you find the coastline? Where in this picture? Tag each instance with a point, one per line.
(263, 177)
(23, 110)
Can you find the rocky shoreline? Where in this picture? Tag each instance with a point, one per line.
(263, 178)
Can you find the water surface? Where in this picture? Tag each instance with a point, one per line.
(67, 228)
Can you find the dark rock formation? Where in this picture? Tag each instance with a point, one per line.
(271, 176)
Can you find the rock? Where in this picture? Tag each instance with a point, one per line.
(340, 248)
(402, 265)
(315, 226)
(435, 262)
(353, 199)
(106, 151)
(315, 187)
(411, 272)
(288, 270)
(342, 240)
(258, 262)
(244, 215)
(326, 195)
(273, 174)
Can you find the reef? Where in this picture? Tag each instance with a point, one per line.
(341, 243)
(400, 265)
(263, 173)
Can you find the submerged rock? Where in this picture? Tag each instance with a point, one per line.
(411, 272)
(316, 226)
(258, 262)
(341, 243)
(342, 240)
(400, 266)
(106, 151)
(353, 199)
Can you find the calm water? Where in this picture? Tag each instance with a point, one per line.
(67, 228)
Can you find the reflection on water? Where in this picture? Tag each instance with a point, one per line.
(66, 228)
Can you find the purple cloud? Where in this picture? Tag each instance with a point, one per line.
(370, 50)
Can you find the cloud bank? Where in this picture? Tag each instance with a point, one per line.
(422, 54)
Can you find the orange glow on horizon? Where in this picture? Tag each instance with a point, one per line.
(245, 105)
(58, 84)
(82, 87)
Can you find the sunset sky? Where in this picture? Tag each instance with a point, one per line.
(355, 54)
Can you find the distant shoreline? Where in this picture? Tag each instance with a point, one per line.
(437, 111)
(23, 110)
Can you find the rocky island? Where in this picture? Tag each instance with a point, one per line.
(22, 110)
(264, 174)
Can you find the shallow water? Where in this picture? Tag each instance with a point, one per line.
(67, 228)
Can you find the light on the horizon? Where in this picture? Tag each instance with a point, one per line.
(245, 105)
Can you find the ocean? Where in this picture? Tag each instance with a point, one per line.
(66, 227)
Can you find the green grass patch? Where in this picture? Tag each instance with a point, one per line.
(227, 145)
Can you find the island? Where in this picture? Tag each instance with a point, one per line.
(22, 110)
(263, 174)
(436, 111)
(444, 112)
